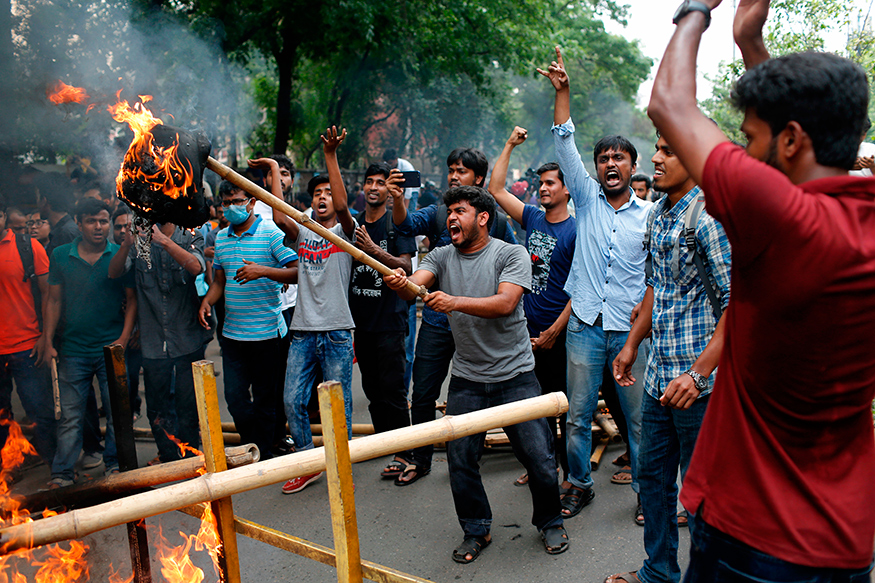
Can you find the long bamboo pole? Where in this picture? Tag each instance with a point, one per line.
(79, 523)
(267, 198)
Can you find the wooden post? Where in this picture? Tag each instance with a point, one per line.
(214, 461)
(340, 486)
(122, 421)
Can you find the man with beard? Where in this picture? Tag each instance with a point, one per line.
(380, 315)
(434, 347)
(780, 484)
(605, 283)
(687, 337)
(550, 235)
(482, 283)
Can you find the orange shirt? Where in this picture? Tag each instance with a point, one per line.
(19, 329)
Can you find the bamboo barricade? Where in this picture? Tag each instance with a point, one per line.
(79, 523)
(267, 198)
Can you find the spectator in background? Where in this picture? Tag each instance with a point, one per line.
(642, 186)
(95, 311)
(170, 337)
(39, 228)
(22, 345)
(55, 197)
(865, 155)
(16, 221)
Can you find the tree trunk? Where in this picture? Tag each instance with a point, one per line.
(285, 64)
(7, 112)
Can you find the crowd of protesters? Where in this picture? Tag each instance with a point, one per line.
(620, 287)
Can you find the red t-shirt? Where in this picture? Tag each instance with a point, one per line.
(19, 329)
(785, 459)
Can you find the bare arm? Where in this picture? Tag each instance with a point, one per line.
(330, 142)
(42, 282)
(51, 316)
(130, 316)
(252, 271)
(640, 329)
(188, 260)
(512, 205)
(498, 306)
(747, 28)
(118, 263)
(286, 224)
(681, 393)
(399, 211)
(398, 282)
(673, 107)
(558, 76)
(547, 338)
(217, 288)
(364, 242)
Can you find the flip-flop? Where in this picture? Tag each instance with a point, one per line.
(683, 519)
(414, 469)
(472, 545)
(393, 469)
(522, 480)
(623, 460)
(555, 540)
(622, 476)
(629, 577)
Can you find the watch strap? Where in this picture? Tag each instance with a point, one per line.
(688, 6)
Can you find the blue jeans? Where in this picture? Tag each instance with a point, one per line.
(332, 351)
(411, 344)
(590, 349)
(434, 352)
(532, 444)
(253, 387)
(668, 437)
(75, 375)
(35, 391)
(717, 557)
(172, 406)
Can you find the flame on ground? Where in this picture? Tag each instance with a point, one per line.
(158, 167)
(60, 93)
(57, 564)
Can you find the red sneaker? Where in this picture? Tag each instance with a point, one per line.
(298, 484)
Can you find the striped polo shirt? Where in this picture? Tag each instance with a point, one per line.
(252, 310)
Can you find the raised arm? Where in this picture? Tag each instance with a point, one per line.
(192, 260)
(118, 264)
(673, 107)
(286, 224)
(747, 28)
(330, 141)
(558, 76)
(512, 205)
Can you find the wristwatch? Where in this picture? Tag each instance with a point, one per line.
(688, 6)
(701, 382)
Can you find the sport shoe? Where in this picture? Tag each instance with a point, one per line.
(59, 482)
(91, 460)
(298, 484)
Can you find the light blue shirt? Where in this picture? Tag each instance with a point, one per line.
(607, 274)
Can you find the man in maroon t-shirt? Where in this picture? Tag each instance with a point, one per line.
(782, 480)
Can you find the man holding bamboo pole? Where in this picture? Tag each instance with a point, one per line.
(322, 325)
(482, 282)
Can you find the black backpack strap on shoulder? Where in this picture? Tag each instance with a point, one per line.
(440, 218)
(691, 219)
(500, 226)
(25, 251)
(390, 229)
(648, 261)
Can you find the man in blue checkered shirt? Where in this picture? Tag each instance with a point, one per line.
(687, 337)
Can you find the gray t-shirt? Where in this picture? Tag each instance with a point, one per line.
(488, 350)
(323, 281)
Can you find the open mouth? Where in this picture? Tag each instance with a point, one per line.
(658, 173)
(612, 177)
(455, 230)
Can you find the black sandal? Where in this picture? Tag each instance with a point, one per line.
(417, 471)
(393, 469)
(472, 545)
(575, 499)
(555, 540)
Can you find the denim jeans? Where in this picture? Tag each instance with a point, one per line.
(333, 352)
(411, 344)
(167, 401)
(668, 437)
(34, 386)
(381, 359)
(719, 558)
(252, 387)
(532, 444)
(434, 352)
(590, 349)
(75, 377)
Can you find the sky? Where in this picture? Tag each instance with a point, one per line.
(649, 22)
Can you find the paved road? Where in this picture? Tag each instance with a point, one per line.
(412, 529)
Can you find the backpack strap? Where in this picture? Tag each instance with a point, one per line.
(648, 262)
(500, 225)
(25, 251)
(691, 219)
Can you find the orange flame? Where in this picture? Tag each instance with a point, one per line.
(176, 563)
(146, 162)
(184, 447)
(63, 93)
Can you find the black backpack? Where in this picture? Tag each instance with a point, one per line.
(25, 251)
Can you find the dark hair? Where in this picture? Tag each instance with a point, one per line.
(828, 96)
(472, 159)
(390, 154)
(314, 182)
(548, 167)
(618, 143)
(88, 207)
(642, 178)
(227, 189)
(56, 189)
(867, 125)
(476, 196)
(378, 168)
(121, 210)
(284, 162)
